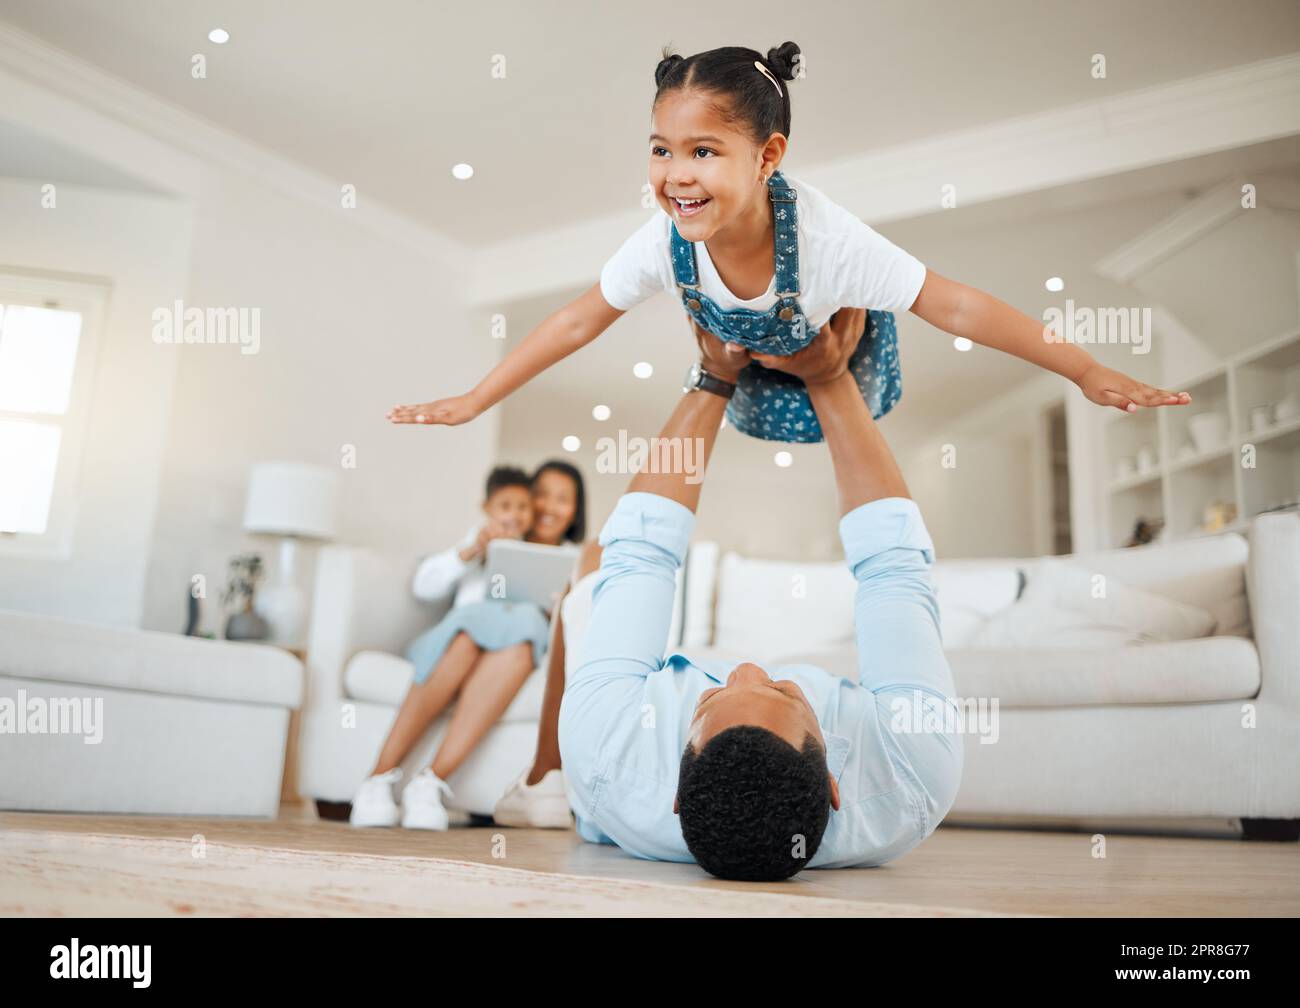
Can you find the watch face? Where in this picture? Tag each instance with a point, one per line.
(693, 377)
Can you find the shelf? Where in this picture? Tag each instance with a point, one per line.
(1283, 430)
(1135, 482)
(1200, 458)
(1179, 489)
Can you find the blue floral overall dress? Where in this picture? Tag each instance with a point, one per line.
(769, 404)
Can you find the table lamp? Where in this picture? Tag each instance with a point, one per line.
(291, 500)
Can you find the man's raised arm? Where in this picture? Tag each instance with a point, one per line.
(644, 541)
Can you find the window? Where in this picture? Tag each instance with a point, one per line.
(48, 331)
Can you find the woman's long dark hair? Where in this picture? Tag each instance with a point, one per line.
(577, 530)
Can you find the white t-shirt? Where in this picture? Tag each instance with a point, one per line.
(440, 574)
(842, 263)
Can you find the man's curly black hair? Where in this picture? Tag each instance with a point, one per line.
(752, 806)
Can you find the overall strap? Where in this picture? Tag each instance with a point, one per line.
(785, 235)
(683, 257)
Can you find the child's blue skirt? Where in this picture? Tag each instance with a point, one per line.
(492, 624)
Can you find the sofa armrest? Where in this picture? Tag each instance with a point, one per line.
(362, 602)
(1273, 588)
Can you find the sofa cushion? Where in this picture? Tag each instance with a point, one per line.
(970, 592)
(1208, 572)
(1191, 671)
(383, 678)
(148, 661)
(1194, 671)
(1061, 608)
(767, 606)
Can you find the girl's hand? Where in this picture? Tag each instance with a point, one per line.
(826, 358)
(493, 528)
(1107, 387)
(452, 412)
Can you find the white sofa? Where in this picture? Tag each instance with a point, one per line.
(1172, 736)
(1149, 733)
(184, 726)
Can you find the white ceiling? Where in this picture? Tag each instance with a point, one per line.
(389, 94)
(28, 155)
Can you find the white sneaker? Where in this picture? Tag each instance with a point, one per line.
(543, 805)
(373, 803)
(422, 801)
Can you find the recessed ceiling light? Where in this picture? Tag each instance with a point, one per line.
(962, 343)
(219, 35)
(571, 443)
(783, 459)
(643, 369)
(462, 170)
(1055, 284)
(600, 412)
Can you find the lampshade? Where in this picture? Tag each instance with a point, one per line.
(293, 499)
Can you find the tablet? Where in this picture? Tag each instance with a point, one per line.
(529, 572)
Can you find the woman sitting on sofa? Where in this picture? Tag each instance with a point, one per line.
(481, 653)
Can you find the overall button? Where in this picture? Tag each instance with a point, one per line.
(693, 304)
(786, 314)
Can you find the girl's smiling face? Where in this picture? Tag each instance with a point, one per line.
(695, 154)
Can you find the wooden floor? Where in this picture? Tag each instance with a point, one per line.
(978, 870)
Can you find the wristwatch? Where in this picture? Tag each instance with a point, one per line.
(698, 378)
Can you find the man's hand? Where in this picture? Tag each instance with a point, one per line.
(827, 356)
(1107, 387)
(720, 359)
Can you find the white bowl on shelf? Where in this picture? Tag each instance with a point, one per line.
(1208, 430)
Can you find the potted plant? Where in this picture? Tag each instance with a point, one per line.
(242, 622)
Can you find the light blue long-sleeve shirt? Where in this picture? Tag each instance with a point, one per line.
(627, 709)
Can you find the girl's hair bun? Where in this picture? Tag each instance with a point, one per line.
(666, 65)
(783, 61)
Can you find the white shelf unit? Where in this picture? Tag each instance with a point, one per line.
(1180, 483)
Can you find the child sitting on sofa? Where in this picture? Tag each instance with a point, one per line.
(480, 654)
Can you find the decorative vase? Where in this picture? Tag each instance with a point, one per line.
(246, 626)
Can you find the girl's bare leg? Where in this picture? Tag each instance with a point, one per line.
(484, 696)
(425, 701)
(547, 757)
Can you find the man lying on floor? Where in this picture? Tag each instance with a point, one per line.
(756, 773)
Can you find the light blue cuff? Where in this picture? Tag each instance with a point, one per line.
(884, 524)
(651, 518)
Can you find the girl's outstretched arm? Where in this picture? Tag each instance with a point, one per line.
(982, 318)
(561, 333)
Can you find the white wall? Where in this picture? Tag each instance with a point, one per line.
(359, 311)
(991, 504)
(350, 325)
(140, 244)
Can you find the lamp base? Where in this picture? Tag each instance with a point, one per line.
(282, 604)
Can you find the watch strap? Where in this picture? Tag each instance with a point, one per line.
(711, 383)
